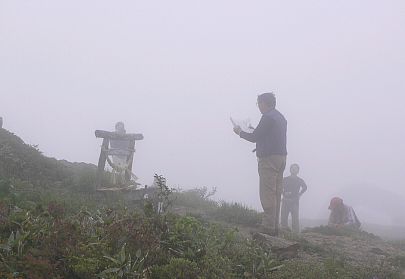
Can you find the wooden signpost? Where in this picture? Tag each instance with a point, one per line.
(108, 150)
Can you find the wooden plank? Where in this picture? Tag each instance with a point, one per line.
(101, 162)
(115, 189)
(116, 136)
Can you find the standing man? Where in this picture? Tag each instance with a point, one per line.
(270, 137)
(293, 189)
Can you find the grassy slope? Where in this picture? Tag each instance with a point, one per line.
(26, 163)
(70, 234)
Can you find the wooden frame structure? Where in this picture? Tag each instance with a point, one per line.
(106, 151)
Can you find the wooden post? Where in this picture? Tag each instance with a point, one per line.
(101, 162)
(130, 159)
(107, 137)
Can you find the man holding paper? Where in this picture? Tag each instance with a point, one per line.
(270, 137)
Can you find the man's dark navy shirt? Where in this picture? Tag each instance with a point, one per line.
(270, 135)
(293, 187)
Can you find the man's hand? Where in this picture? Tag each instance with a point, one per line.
(237, 130)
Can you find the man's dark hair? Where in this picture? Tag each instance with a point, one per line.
(295, 166)
(268, 98)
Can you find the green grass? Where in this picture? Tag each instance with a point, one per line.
(60, 236)
(54, 225)
(198, 203)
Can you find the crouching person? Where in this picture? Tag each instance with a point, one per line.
(342, 216)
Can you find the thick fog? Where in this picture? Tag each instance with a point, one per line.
(177, 70)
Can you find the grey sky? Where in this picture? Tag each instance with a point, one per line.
(177, 70)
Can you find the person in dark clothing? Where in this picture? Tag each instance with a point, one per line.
(270, 138)
(293, 188)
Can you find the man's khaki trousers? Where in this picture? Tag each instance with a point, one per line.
(271, 171)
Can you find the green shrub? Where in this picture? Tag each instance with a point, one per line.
(177, 268)
(236, 213)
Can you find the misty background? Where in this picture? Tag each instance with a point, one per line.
(177, 70)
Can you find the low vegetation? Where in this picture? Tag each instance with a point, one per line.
(43, 236)
(55, 226)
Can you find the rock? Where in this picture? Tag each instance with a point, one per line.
(284, 249)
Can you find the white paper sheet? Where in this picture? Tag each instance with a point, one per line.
(244, 124)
